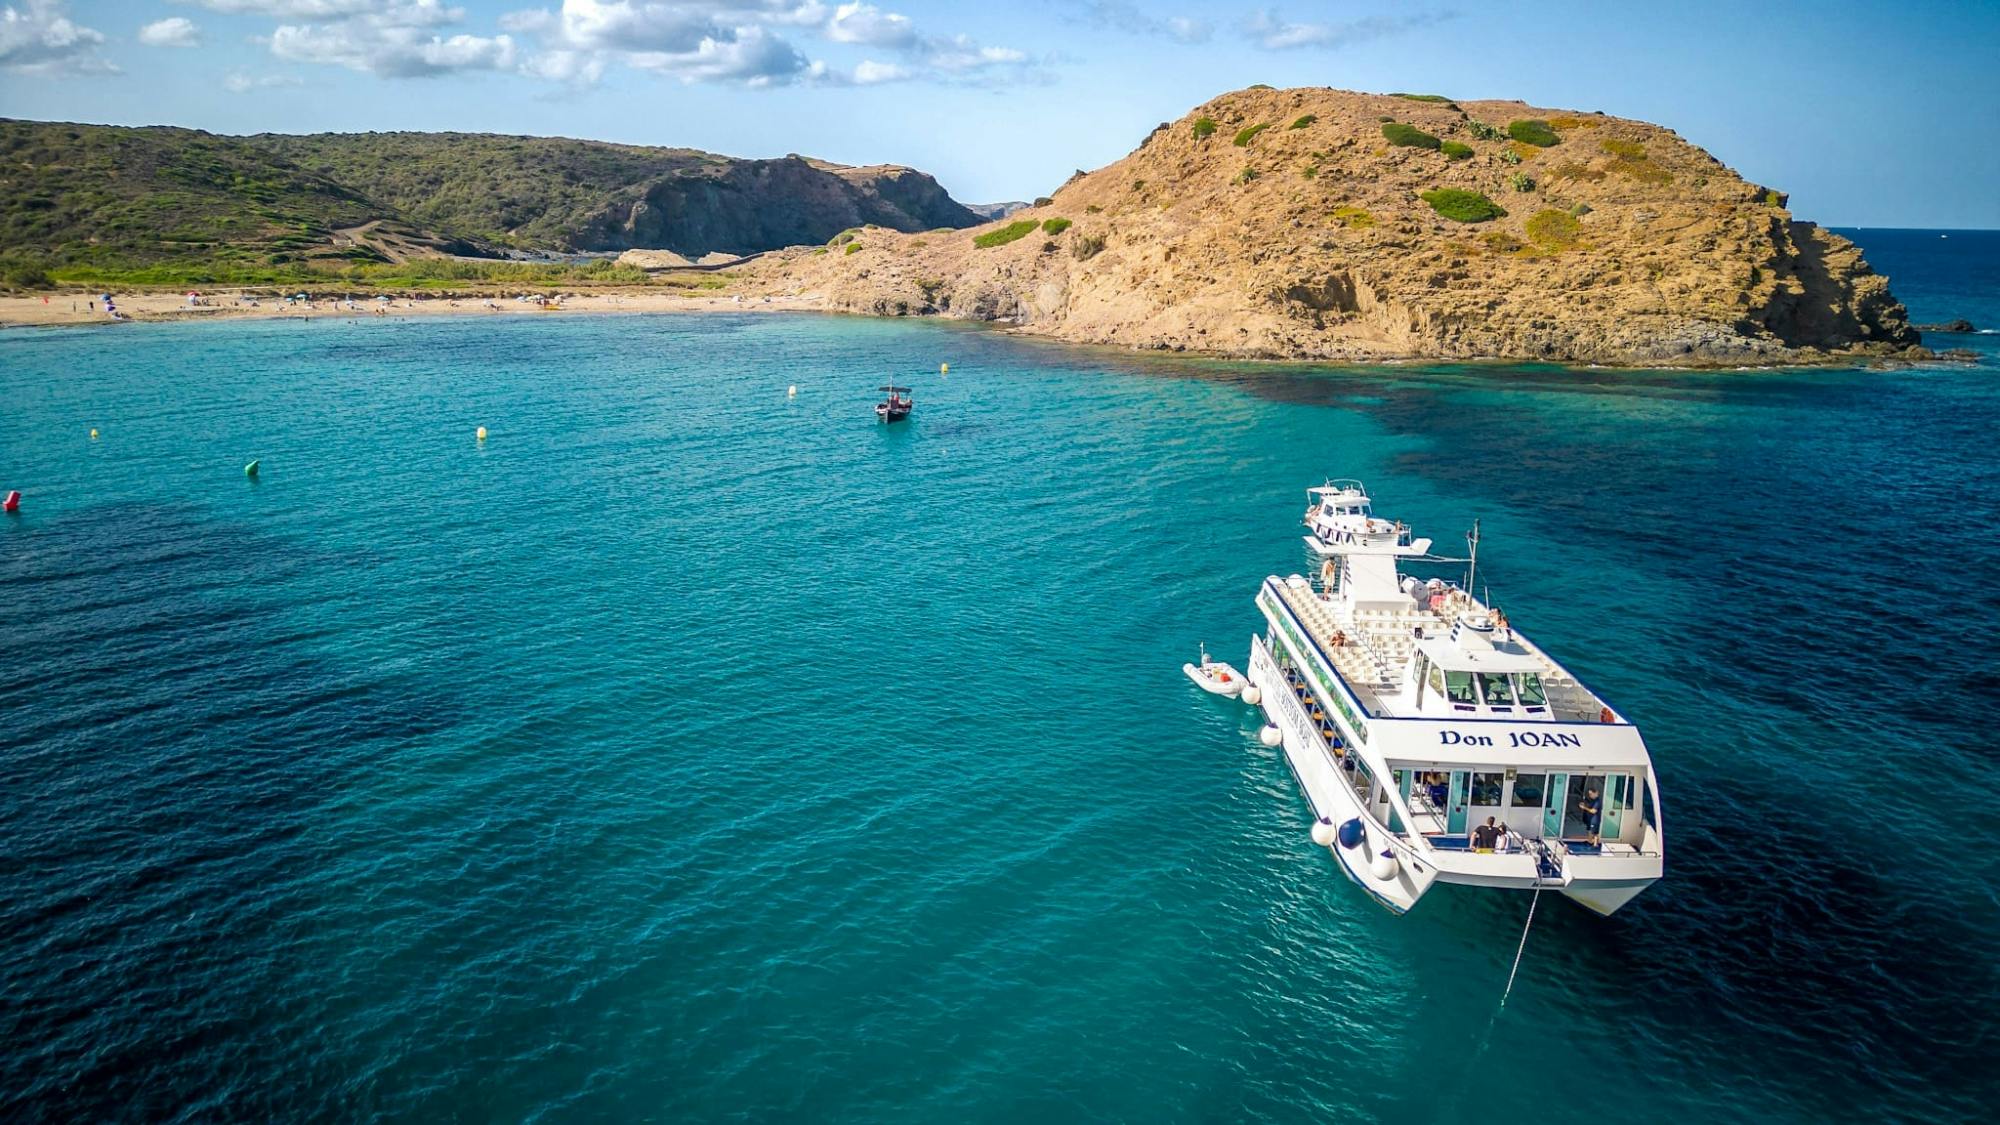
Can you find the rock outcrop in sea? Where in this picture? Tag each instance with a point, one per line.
(1331, 225)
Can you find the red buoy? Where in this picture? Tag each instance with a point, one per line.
(12, 503)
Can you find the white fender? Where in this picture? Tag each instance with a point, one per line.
(1270, 735)
(1384, 865)
(1322, 832)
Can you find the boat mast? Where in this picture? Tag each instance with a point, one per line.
(1472, 564)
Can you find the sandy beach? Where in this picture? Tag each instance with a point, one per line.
(79, 308)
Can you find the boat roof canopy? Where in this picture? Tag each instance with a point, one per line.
(1450, 657)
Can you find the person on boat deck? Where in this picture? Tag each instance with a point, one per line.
(1593, 813)
(1487, 836)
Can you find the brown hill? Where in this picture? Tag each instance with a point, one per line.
(1309, 223)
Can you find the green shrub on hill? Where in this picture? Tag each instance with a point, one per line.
(1408, 136)
(1481, 131)
(1204, 127)
(1535, 133)
(20, 272)
(853, 246)
(1353, 218)
(1009, 233)
(1244, 135)
(1456, 151)
(1555, 229)
(1521, 181)
(1438, 99)
(1054, 226)
(1462, 206)
(1302, 122)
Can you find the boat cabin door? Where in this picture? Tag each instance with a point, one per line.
(1575, 822)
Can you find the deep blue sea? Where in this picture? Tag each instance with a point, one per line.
(686, 752)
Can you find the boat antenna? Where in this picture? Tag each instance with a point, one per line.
(1472, 564)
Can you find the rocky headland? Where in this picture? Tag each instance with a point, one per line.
(1331, 225)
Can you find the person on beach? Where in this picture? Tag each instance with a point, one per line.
(1593, 813)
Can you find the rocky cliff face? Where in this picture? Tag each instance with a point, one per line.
(744, 206)
(1291, 223)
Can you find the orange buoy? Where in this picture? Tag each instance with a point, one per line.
(12, 503)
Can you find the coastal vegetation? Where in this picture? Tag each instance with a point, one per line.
(1554, 229)
(1087, 246)
(1408, 136)
(1246, 134)
(1012, 232)
(1438, 99)
(1521, 181)
(1461, 206)
(1481, 131)
(1055, 226)
(1353, 218)
(1456, 150)
(1533, 132)
(115, 200)
(421, 273)
(1204, 127)
(1303, 122)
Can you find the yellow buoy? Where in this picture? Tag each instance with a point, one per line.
(93, 434)
(482, 433)
(944, 368)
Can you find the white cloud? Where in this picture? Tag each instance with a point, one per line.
(1121, 15)
(747, 55)
(391, 50)
(740, 42)
(38, 37)
(241, 83)
(1269, 30)
(292, 9)
(869, 72)
(867, 24)
(174, 31)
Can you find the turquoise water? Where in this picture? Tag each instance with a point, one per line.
(685, 752)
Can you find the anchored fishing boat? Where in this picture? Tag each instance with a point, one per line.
(897, 406)
(1435, 741)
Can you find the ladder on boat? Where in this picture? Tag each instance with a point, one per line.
(1548, 869)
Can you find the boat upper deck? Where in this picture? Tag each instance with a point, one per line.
(1371, 647)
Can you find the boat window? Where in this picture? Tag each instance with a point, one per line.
(1458, 687)
(1528, 790)
(1486, 788)
(1499, 690)
(1531, 690)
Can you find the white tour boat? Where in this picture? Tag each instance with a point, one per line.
(1433, 740)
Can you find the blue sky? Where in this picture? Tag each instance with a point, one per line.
(1867, 115)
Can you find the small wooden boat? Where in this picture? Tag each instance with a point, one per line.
(897, 406)
(1214, 676)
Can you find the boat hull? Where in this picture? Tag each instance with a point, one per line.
(1332, 798)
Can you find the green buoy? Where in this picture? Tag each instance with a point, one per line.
(250, 470)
